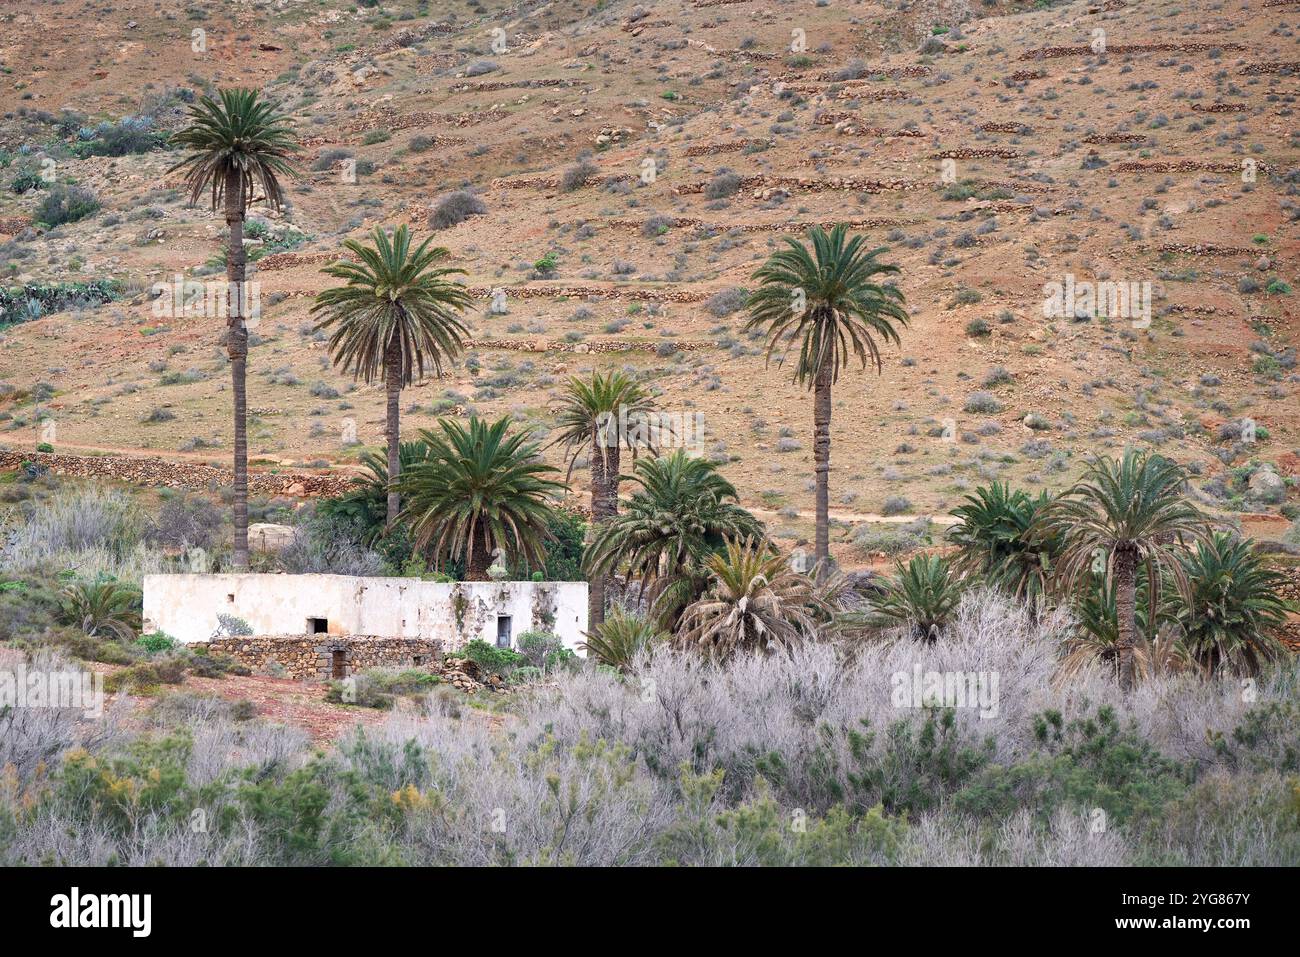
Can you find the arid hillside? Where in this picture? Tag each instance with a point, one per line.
(610, 175)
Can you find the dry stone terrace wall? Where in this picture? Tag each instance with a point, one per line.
(162, 473)
(1186, 166)
(1049, 53)
(762, 182)
(312, 657)
(623, 294)
(686, 222)
(1106, 138)
(1262, 69)
(969, 153)
(584, 348)
(707, 149)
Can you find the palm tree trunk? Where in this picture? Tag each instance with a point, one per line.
(1126, 612)
(237, 349)
(392, 429)
(599, 504)
(822, 463)
(481, 559)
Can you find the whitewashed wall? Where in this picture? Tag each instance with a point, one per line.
(186, 606)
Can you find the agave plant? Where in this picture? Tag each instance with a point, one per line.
(684, 512)
(103, 608)
(480, 490)
(618, 639)
(994, 541)
(1120, 515)
(923, 594)
(755, 602)
(1234, 606)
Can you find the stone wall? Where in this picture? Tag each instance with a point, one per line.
(311, 657)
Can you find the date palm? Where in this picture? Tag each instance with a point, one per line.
(395, 314)
(237, 145)
(994, 542)
(828, 302)
(591, 415)
(755, 602)
(1234, 607)
(479, 490)
(105, 608)
(1119, 515)
(620, 638)
(923, 594)
(683, 512)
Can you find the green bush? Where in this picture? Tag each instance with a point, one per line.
(491, 659)
(156, 641)
(66, 204)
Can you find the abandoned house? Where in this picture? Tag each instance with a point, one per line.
(329, 626)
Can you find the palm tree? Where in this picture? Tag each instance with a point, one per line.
(755, 602)
(994, 542)
(1233, 608)
(683, 513)
(366, 508)
(237, 144)
(923, 594)
(395, 313)
(829, 303)
(1157, 648)
(103, 607)
(620, 638)
(591, 415)
(1119, 515)
(479, 490)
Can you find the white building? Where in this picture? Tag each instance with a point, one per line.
(341, 606)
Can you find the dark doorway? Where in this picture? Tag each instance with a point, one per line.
(338, 665)
(318, 626)
(503, 631)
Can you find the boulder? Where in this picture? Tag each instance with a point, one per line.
(269, 537)
(1266, 487)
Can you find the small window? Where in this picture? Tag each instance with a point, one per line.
(418, 660)
(503, 631)
(318, 626)
(230, 598)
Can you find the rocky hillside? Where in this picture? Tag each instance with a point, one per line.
(1093, 207)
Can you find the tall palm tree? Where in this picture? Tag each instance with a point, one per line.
(1120, 514)
(591, 415)
(684, 512)
(237, 144)
(828, 302)
(479, 490)
(755, 602)
(395, 313)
